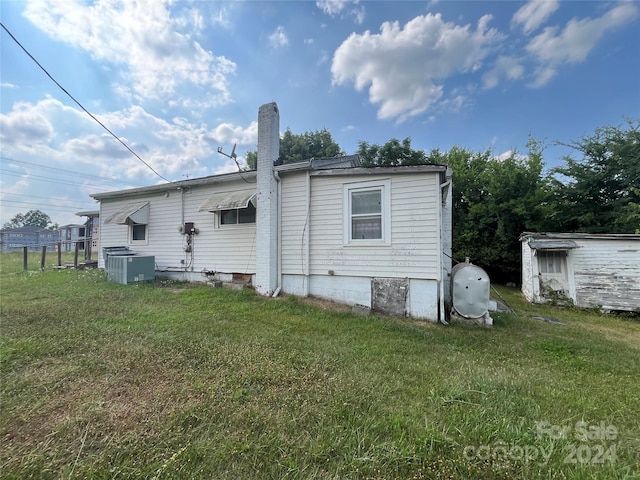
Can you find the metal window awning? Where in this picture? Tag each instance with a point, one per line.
(134, 212)
(560, 245)
(228, 201)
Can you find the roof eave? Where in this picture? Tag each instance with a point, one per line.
(432, 168)
(248, 176)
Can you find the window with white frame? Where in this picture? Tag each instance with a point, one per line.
(367, 213)
(138, 233)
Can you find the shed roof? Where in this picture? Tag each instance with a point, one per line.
(529, 236)
(553, 244)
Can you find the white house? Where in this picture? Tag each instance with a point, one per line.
(378, 237)
(592, 270)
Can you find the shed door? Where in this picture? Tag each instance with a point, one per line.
(552, 266)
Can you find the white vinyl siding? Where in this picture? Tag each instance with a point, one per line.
(294, 223)
(415, 245)
(227, 250)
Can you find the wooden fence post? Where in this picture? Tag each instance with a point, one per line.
(59, 247)
(75, 255)
(25, 258)
(44, 255)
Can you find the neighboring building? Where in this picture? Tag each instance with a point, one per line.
(590, 270)
(91, 234)
(378, 237)
(32, 237)
(70, 235)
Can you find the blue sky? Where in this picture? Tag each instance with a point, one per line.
(177, 80)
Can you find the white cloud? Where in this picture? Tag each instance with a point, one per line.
(504, 67)
(229, 133)
(332, 7)
(221, 19)
(24, 125)
(8, 85)
(553, 47)
(358, 14)
(278, 38)
(542, 76)
(324, 58)
(343, 8)
(454, 104)
(69, 138)
(403, 67)
(534, 13)
(140, 36)
(510, 154)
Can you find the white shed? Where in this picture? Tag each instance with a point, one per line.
(590, 270)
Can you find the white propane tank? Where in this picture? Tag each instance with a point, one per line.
(470, 291)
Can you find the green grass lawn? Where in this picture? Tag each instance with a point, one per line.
(167, 380)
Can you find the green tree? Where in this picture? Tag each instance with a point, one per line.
(252, 160)
(33, 218)
(600, 193)
(393, 153)
(494, 201)
(299, 147)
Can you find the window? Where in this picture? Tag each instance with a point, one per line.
(138, 233)
(367, 213)
(550, 262)
(238, 215)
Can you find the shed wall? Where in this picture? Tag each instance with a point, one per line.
(527, 272)
(607, 273)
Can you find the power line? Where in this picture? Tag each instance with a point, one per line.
(50, 180)
(53, 199)
(80, 105)
(46, 206)
(61, 171)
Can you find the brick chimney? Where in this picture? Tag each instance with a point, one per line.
(267, 273)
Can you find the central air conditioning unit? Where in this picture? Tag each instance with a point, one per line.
(131, 269)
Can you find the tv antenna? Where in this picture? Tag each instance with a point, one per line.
(233, 157)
